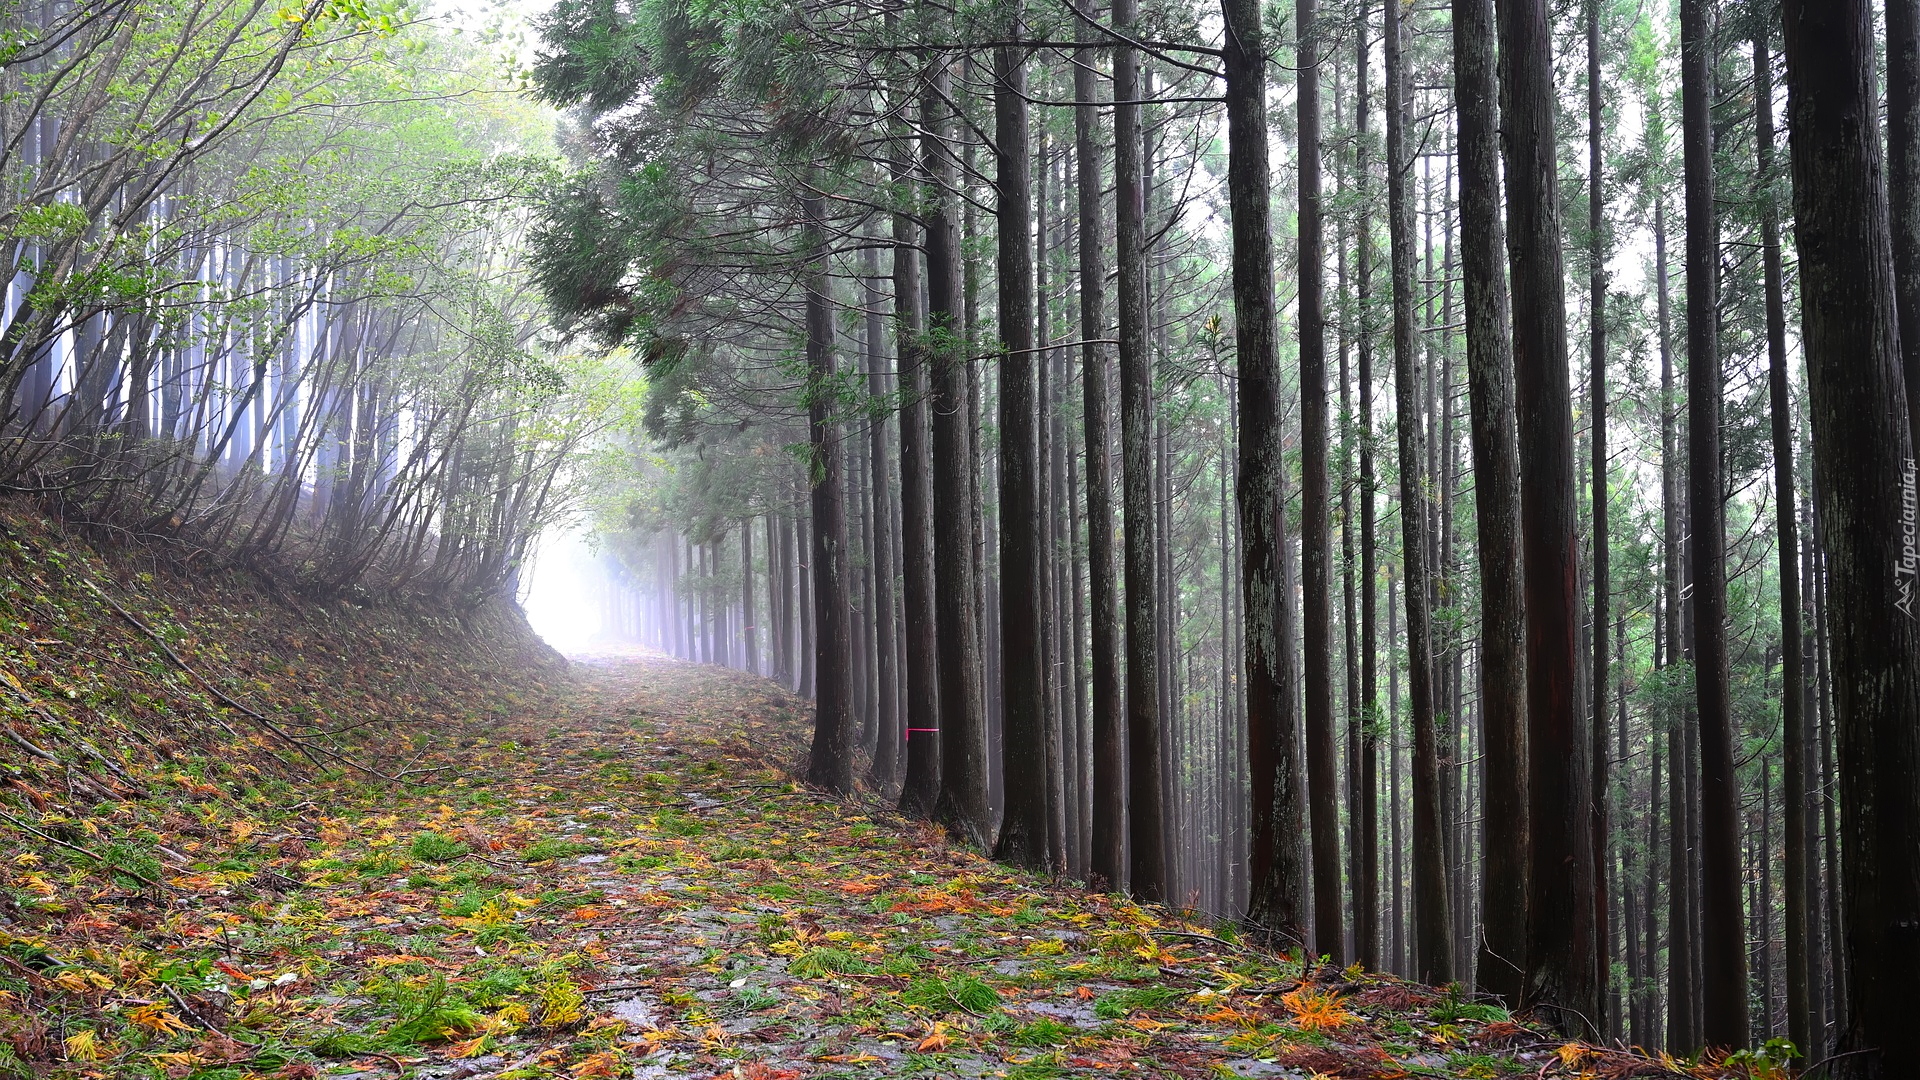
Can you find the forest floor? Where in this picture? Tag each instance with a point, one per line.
(623, 880)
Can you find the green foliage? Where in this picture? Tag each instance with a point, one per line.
(681, 825)
(815, 963)
(470, 902)
(1117, 1004)
(553, 848)
(1045, 1031)
(433, 847)
(50, 222)
(754, 998)
(379, 864)
(964, 993)
(428, 1011)
(1453, 1008)
(1770, 1060)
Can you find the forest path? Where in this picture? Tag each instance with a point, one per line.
(670, 904)
(626, 882)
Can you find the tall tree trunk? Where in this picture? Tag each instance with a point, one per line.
(1395, 848)
(1838, 1009)
(1903, 175)
(1633, 1021)
(1597, 428)
(783, 621)
(1366, 916)
(1277, 903)
(703, 637)
(1023, 825)
(1653, 1037)
(1821, 943)
(1787, 544)
(1496, 471)
(1723, 944)
(1862, 454)
(1760, 899)
(886, 757)
(921, 786)
(1048, 517)
(1145, 794)
(860, 557)
(752, 656)
(1109, 751)
(1316, 552)
(962, 805)
(808, 624)
(1563, 973)
(1432, 920)
(831, 764)
(1680, 993)
(1349, 611)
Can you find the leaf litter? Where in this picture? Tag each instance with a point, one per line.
(624, 880)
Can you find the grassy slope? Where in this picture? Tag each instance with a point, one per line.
(606, 874)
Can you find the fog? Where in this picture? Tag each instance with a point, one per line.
(562, 591)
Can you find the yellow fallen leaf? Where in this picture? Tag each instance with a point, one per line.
(84, 1045)
(602, 1064)
(157, 1019)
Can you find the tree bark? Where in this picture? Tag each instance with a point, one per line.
(1680, 986)
(1366, 916)
(962, 805)
(1597, 428)
(1723, 944)
(886, 706)
(1787, 544)
(1109, 750)
(1496, 470)
(1433, 934)
(1023, 824)
(1903, 177)
(752, 657)
(920, 788)
(1145, 794)
(1316, 553)
(831, 764)
(1277, 904)
(1862, 456)
(1563, 974)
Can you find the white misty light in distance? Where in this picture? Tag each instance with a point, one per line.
(560, 590)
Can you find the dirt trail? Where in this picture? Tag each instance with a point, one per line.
(633, 886)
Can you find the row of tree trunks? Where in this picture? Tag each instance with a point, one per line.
(1544, 732)
(1862, 455)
